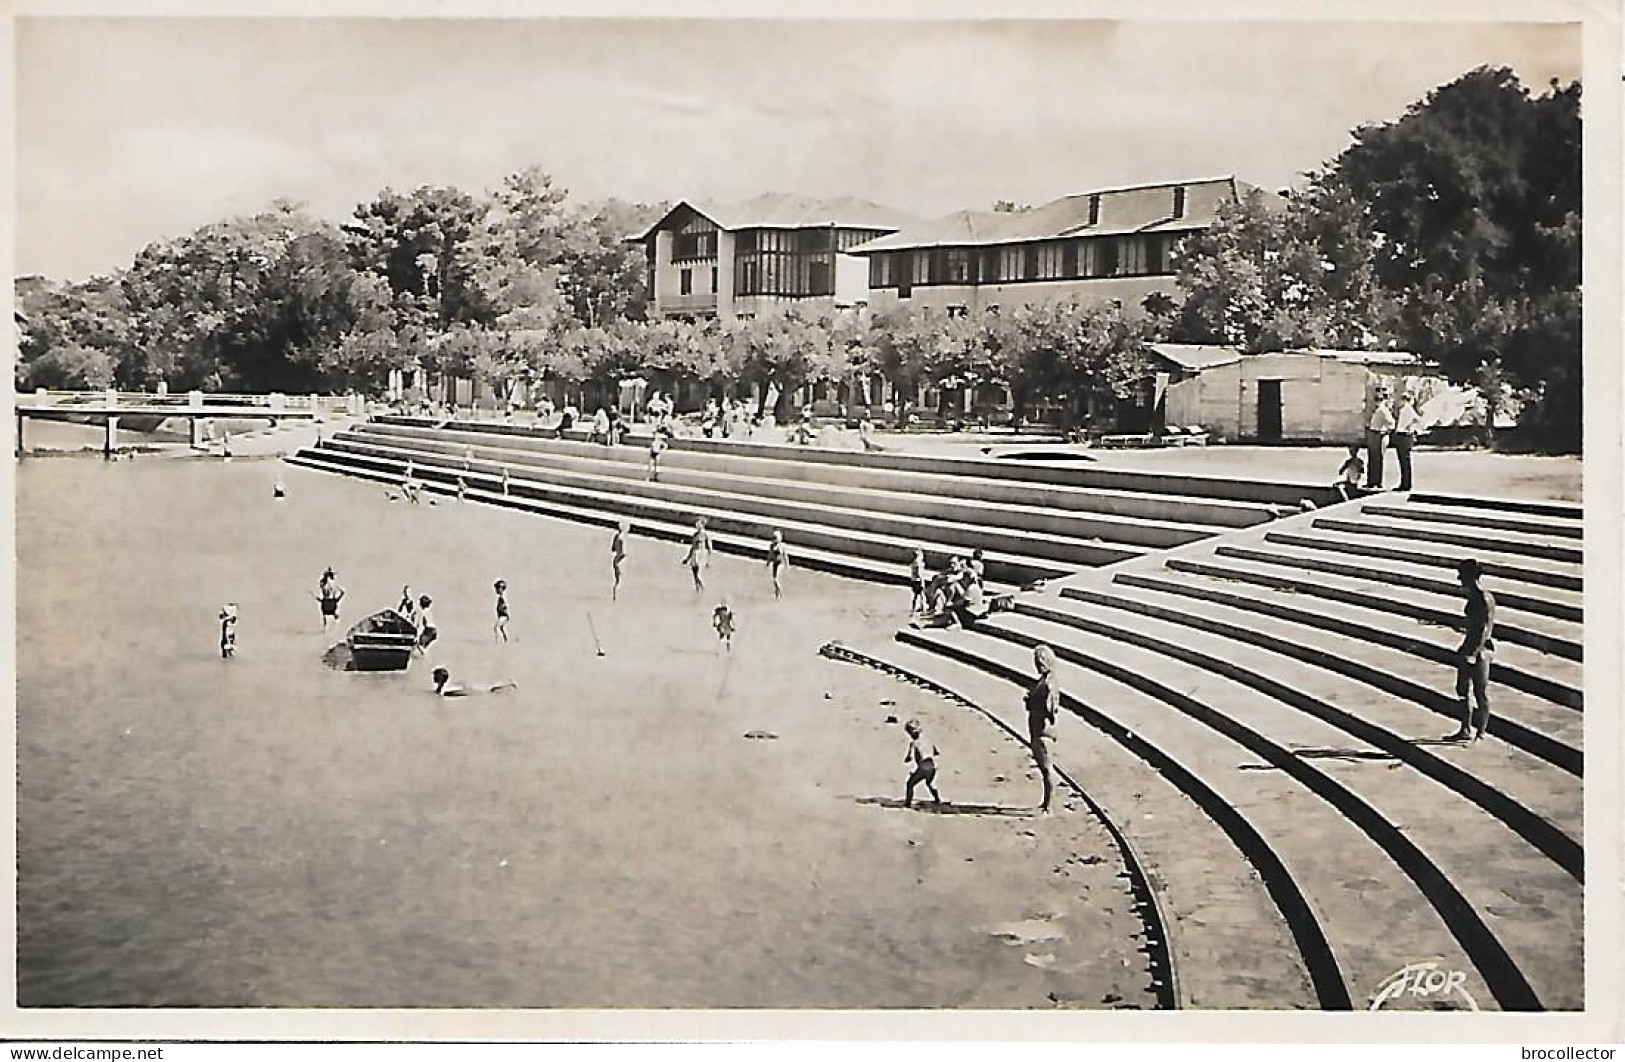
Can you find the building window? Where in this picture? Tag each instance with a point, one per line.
(1102, 258)
(1010, 263)
(882, 272)
(1111, 258)
(1179, 201)
(1051, 261)
(688, 246)
(1069, 259)
(957, 267)
(1029, 262)
(713, 280)
(818, 278)
(1132, 261)
(685, 282)
(1094, 209)
(922, 268)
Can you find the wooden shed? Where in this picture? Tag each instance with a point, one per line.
(1320, 396)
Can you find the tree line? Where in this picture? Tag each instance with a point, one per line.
(1452, 232)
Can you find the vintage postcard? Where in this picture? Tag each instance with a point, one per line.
(543, 521)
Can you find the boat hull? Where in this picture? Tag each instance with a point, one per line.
(380, 652)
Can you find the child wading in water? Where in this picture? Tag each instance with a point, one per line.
(617, 556)
(328, 594)
(427, 631)
(228, 631)
(923, 755)
(777, 561)
(500, 630)
(722, 618)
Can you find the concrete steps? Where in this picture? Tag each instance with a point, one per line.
(1545, 637)
(1549, 734)
(630, 465)
(847, 552)
(747, 543)
(1418, 817)
(985, 487)
(1464, 516)
(1521, 544)
(1548, 575)
(1399, 574)
(940, 535)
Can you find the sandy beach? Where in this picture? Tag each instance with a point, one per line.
(267, 831)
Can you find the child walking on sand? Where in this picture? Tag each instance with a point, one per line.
(500, 630)
(699, 555)
(617, 556)
(722, 618)
(923, 755)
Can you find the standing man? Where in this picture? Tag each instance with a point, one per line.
(1474, 657)
(1380, 424)
(1406, 427)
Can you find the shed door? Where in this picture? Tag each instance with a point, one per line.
(1269, 410)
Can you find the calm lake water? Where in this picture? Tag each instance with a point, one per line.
(270, 831)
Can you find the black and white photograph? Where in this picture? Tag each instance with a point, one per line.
(1051, 516)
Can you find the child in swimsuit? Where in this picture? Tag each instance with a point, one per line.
(923, 755)
(328, 594)
(699, 554)
(722, 618)
(427, 632)
(777, 561)
(444, 687)
(617, 556)
(500, 631)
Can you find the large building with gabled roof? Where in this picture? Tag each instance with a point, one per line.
(731, 260)
(1108, 244)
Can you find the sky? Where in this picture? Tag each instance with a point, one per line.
(136, 130)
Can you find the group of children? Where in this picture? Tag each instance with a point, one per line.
(953, 597)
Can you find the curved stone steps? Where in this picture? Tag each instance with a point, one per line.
(619, 463)
(1209, 512)
(1557, 575)
(1531, 799)
(1387, 673)
(1229, 947)
(1407, 576)
(1549, 678)
(1043, 555)
(1356, 868)
(1544, 635)
(1563, 510)
(1467, 516)
(1518, 943)
(1502, 542)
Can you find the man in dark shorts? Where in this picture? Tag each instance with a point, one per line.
(1043, 700)
(922, 755)
(1476, 654)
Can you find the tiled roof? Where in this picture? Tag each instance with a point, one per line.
(780, 210)
(1142, 208)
